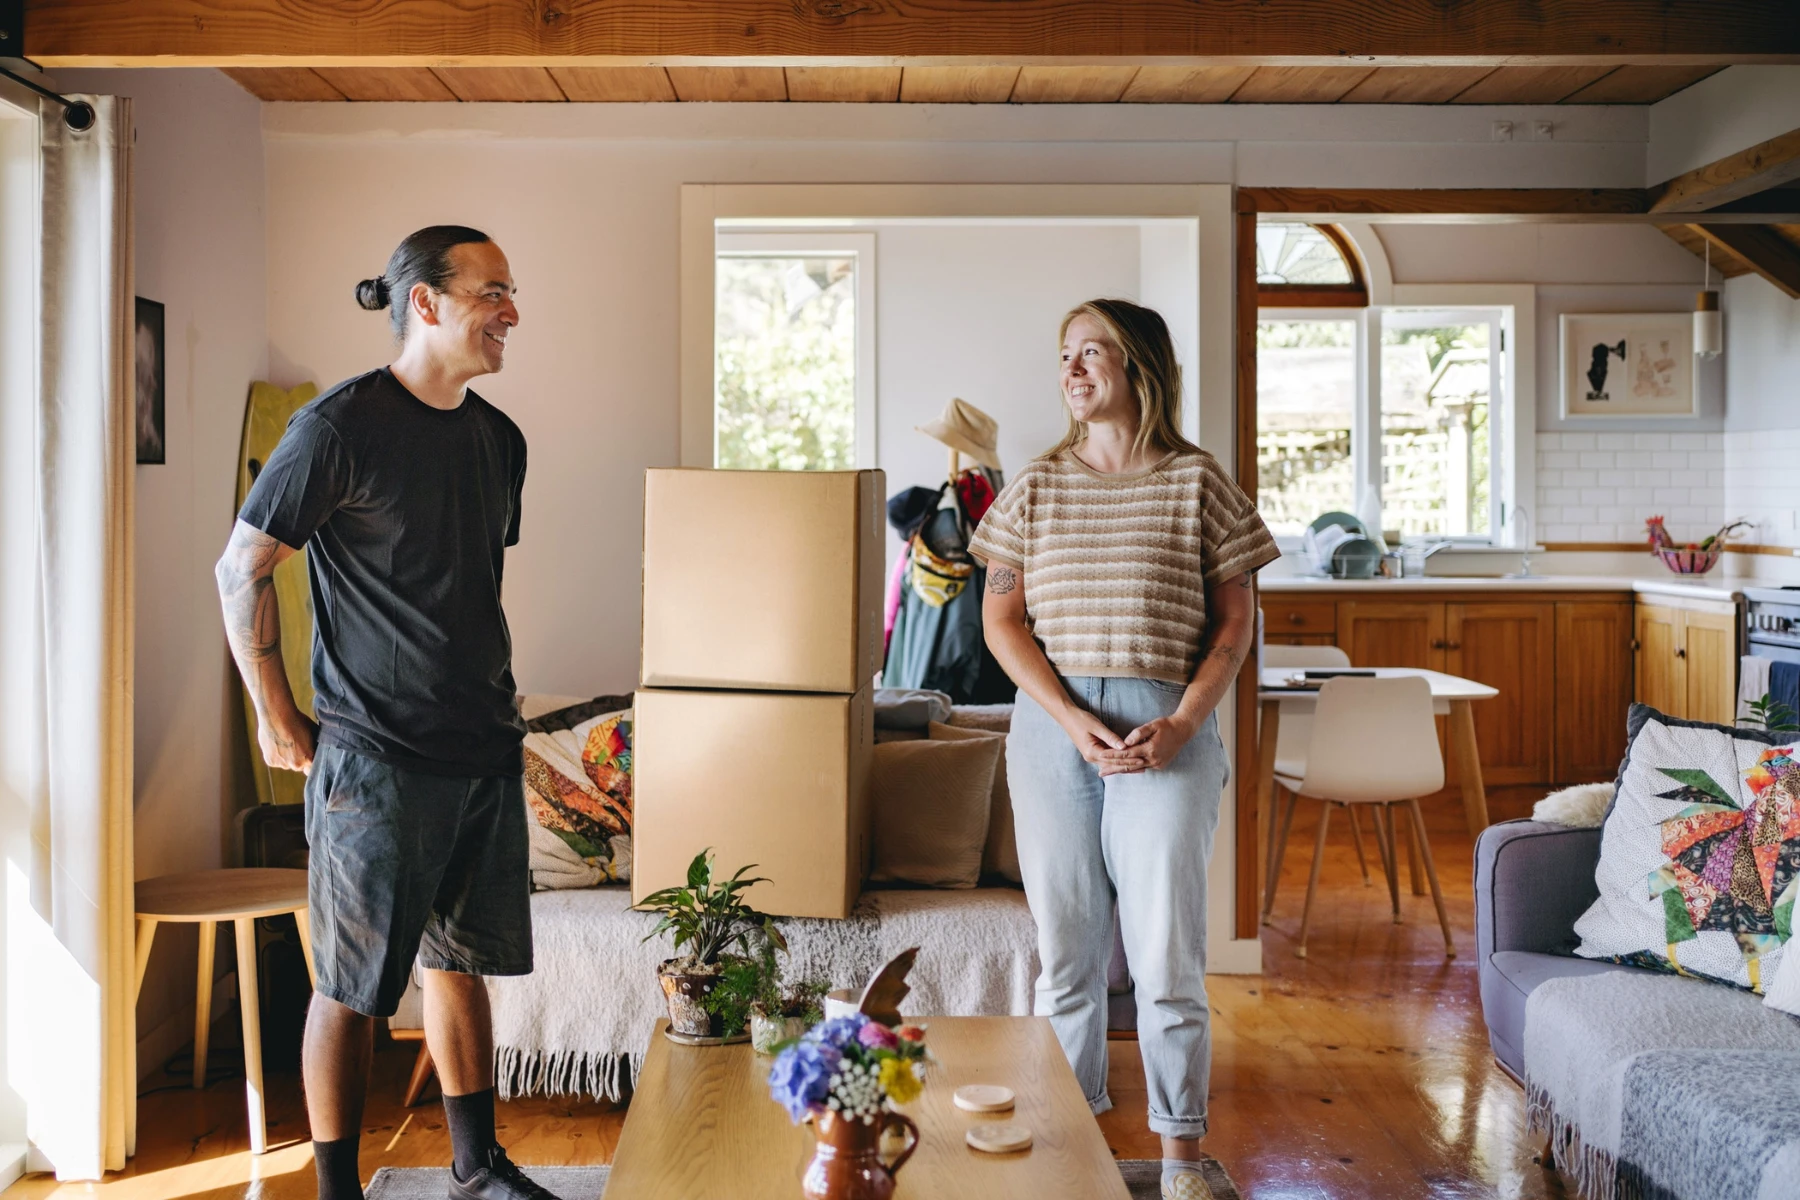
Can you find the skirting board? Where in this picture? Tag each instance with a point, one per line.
(12, 1162)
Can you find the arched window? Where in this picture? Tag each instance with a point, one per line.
(1307, 266)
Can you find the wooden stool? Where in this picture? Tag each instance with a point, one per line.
(206, 898)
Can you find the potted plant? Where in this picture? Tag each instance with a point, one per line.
(718, 931)
(783, 1014)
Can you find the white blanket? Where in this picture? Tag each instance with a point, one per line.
(581, 1022)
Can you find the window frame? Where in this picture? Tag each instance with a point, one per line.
(821, 243)
(1513, 449)
(1354, 294)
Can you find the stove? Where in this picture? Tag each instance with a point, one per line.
(1772, 623)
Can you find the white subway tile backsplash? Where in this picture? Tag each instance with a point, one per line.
(1598, 496)
(1669, 497)
(1613, 479)
(1549, 441)
(1557, 495)
(1595, 460)
(1613, 441)
(1669, 458)
(1647, 441)
(1579, 441)
(1687, 479)
(1687, 441)
(1599, 487)
(1559, 458)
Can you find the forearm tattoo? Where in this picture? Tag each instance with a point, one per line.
(1002, 580)
(246, 581)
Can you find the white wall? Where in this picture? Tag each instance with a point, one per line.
(1720, 115)
(200, 251)
(585, 201)
(1762, 414)
(972, 311)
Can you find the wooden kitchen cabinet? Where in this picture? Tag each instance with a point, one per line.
(1510, 646)
(1392, 633)
(1593, 688)
(1685, 655)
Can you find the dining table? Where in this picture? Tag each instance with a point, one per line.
(1451, 696)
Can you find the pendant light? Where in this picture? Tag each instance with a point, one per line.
(1709, 333)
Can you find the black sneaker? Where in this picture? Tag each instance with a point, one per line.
(499, 1180)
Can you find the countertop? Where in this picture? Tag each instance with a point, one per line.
(1670, 585)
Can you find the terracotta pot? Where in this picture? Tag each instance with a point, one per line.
(684, 993)
(768, 1032)
(847, 1164)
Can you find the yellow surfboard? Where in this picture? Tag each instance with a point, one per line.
(265, 420)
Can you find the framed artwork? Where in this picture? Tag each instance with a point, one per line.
(151, 447)
(1628, 365)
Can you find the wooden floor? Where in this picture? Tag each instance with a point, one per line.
(1361, 1071)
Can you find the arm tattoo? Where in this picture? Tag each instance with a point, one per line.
(1244, 580)
(1002, 580)
(245, 575)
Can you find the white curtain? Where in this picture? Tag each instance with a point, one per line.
(66, 661)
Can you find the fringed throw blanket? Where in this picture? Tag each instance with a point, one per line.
(1652, 1086)
(581, 1022)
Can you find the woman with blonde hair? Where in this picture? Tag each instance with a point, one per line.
(1119, 600)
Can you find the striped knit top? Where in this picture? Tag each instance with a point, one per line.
(1116, 567)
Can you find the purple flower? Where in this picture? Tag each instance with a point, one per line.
(840, 1032)
(798, 1079)
(877, 1036)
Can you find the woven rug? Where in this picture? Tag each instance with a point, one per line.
(1143, 1179)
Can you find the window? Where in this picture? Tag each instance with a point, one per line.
(1305, 411)
(1307, 266)
(1440, 372)
(1413, 441)
(793, 370)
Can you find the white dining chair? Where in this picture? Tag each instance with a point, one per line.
(1373, 742)
(1290, 759)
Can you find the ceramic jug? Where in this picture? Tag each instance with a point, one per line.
(847, 1164)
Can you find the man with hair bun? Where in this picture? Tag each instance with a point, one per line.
(404, 486)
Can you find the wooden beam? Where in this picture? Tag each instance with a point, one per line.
(1737, 176)
(549, 33)
(1769, 254)
(1325, 202)
(1250, 824)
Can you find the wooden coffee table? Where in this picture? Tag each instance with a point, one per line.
(701, 1123)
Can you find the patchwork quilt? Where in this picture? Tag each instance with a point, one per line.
(578, 787)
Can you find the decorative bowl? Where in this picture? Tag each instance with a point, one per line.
(1690, 562)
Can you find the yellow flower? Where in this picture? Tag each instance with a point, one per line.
(899, 1081)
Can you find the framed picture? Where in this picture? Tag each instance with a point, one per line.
(1628, 365)
(151, 447)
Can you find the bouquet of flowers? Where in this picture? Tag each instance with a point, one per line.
(851, 1066)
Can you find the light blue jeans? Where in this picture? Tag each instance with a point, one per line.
(1144, 839)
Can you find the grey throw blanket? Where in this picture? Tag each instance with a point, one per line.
(1632, 1072)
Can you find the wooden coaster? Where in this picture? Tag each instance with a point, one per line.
(998, 1139)
(984, 1098)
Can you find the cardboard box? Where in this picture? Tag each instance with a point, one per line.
(761, 580)
(779, 779)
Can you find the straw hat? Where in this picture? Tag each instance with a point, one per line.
(962, 426)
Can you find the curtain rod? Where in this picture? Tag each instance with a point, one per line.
(77, 114)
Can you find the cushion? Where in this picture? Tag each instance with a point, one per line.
(1580, 807)
(1784, 992)
(931, 801)
(1700, 852)
(1000, 858)
(578, 788)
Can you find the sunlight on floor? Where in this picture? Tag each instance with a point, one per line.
(188, 1179)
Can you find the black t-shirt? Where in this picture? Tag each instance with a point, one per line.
(405, 511)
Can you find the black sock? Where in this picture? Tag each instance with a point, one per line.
(336, 1164)
(471, 1120)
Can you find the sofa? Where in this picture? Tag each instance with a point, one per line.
(1671, 1086)
(581, 1022)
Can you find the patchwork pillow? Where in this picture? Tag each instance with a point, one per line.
(1700, 852)
(578, 788)
(931, 801)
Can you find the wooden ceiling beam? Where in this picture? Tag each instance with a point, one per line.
(564, 33)
(1501, 203)
(1737, 176)
(1769, 254)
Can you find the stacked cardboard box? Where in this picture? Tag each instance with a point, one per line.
(761, 641)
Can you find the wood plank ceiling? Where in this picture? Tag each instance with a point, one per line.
(1631, 83)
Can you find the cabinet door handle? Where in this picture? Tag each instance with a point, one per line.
(1636, 645)
(1453, 645)
(1439, 644)
(1295, 618)
(1681, 652)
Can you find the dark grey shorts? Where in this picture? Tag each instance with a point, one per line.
(407, 864)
